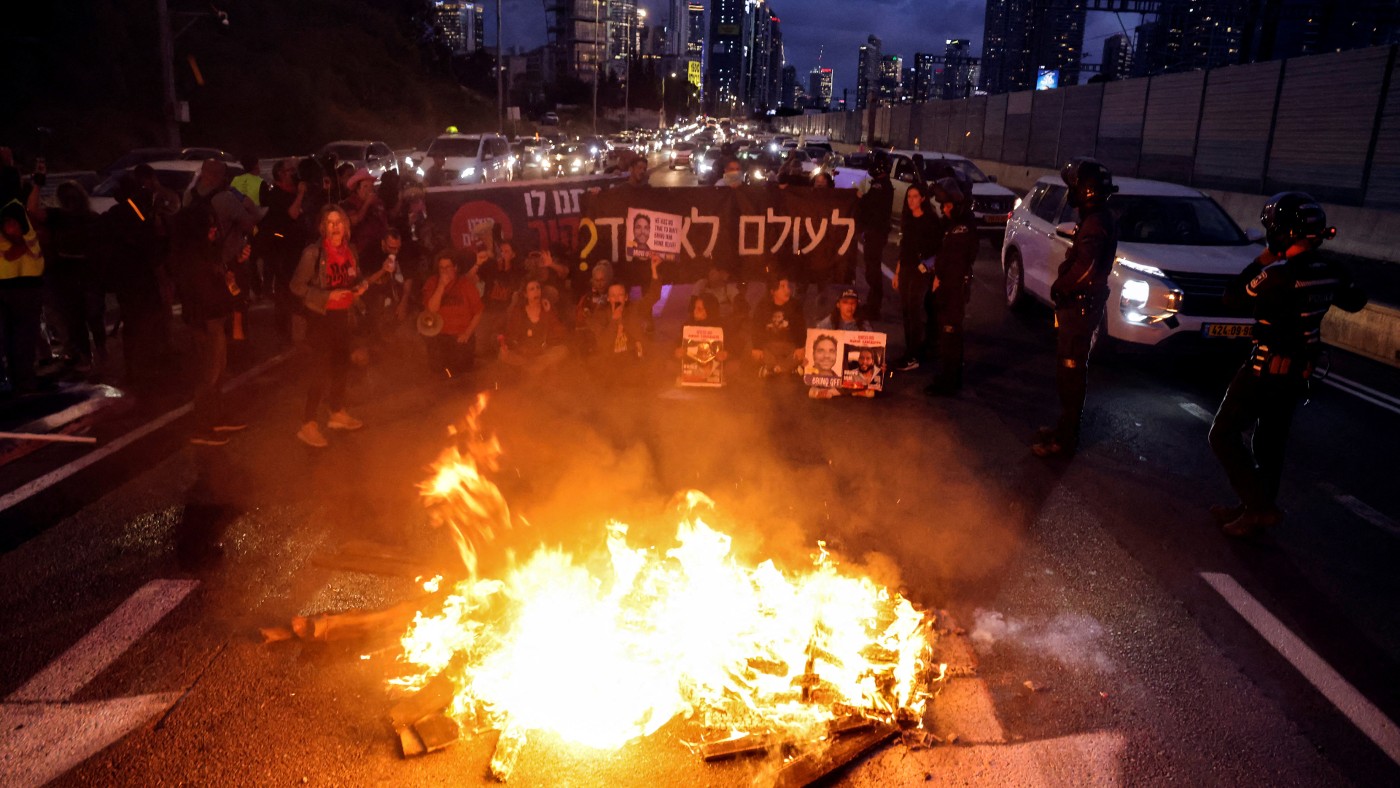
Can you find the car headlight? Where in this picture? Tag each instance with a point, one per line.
(1016, 204)
(468, 172)
(408, 161)
(705, 166)
(576, 164)
(1148, 299)
(420, 172)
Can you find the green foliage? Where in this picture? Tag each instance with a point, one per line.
(284, 78)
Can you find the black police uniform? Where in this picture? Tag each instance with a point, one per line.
(1080, 293)
(873, 220)
(1290, 298)
(953, 269)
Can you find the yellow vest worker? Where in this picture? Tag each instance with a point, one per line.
(20, 255)
(250, 186)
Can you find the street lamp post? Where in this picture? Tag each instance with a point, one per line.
(500, 73)
(597, 66)
(663, 99)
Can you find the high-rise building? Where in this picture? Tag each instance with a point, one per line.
(725, 80)
(624, 30)
(1021, 37)
(677, 27)
(1289, 28)
(1117, 57)
(459, 26)
(695, 30)
(891, 80)
(1188, 35)
(819, 87)
(867, 71)
(957, 70)
(926, 76)
(763, 56)
(789, 89)
(577, 36)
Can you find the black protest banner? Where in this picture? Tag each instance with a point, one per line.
(533, 215)
(752, 231)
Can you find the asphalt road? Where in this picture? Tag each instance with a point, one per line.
(1100, 580)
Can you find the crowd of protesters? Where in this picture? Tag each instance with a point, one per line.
(360, 265)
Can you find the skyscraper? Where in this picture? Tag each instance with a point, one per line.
(577, 37)
(1022, 36)
(1188, 35)
(957, 70)
(458, 25)
(724, 84)
(819, 87)
(926, 76)
(867, 71)
(891, 84)
(789, 89)
(1117, 57)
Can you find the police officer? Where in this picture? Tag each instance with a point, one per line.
(873, 222)
(1080, 293)
(952, 279)
(1290, 287)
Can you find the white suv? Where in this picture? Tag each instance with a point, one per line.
(1177, 251)
(472, 158)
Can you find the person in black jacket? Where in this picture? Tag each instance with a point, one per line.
(1080, 293)
(952, 279)
(203, 282)
(873, 213)
(921, 235)
(1291, 287)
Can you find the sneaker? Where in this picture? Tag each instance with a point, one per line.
(1253, 520)
(908, 365)
(208, 439)
(310, 434)
(340, 420)
(1223, 514)
(230, 426)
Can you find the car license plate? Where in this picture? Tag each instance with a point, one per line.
(995, 218)
(1228, 329)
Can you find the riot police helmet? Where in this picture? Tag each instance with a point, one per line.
(1090, 183)
(1291, 217)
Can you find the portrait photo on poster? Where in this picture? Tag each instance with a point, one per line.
(823, 359)
(864, 367)
(702, 357)
(653, 232)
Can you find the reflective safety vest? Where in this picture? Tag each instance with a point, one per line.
(250, 186)
(29, 263)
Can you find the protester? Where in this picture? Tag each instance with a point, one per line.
(952, 280)
(542, 265)
(249, 183)
(635, 165)
(730, 298)
(621, 324)
(873, 215)
(920, 236)
(75, 238)
(368, 219)
(419, 235)
(821, 179)
(534, 339)
(780, 330)
(328, 281)
(21, 294)
(237, 216)
(595, 300)
(453, 298)
(731, 173)
(845, 314)
(436, 174)
(281, 239)
(206, 301)
(384, 289)
(135, 230)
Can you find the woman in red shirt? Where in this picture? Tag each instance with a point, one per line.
(454, 297)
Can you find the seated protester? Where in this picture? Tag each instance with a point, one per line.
(703, 311)
(821, 179)
(779, 330)
(845, 315)
(620, 326)
(590, 303)
(727, 295)
(553, 275)
(453, 297)
(534, 339)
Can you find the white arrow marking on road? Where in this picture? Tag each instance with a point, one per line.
(43, 741)
(1362, 713)
(44, 736)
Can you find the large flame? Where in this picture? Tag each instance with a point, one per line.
(607, 651)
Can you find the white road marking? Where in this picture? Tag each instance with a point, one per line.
(102, 646)
(57, 475)
(1197, 411)
(1363, 510)
(1363, 714)
(99, 397)
(43, 741)
(1361, 391)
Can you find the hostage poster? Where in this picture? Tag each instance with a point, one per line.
(652, 232)
(844, 362)
(702, 356)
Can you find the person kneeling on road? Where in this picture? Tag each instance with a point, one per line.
(453, 298)
(1291, 287)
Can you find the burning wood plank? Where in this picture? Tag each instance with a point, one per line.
(817, 764)
(507, 752)
(746, 744)
(432, 698)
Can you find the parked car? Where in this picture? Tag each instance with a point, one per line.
(148, 155)
(374, 156)
(472, 158)
(991, 202)
(1177, 251)
(680, 154)
(177, 175)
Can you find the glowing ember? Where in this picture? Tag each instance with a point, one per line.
(607, 651)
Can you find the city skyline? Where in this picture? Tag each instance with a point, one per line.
(813, 28)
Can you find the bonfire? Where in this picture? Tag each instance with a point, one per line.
(605, 649)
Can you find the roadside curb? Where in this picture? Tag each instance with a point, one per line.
(1374, 332)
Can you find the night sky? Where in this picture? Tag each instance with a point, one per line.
(837, 26)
